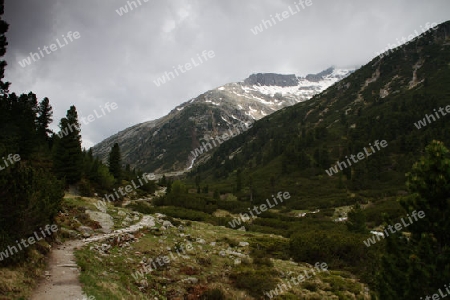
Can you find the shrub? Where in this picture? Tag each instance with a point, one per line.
(254, 280)
(85, 188)
(270, 247)
(231, 242)
(183, 213)
(215, 294)
(339, 249)
(142, 207)
(310, 286)
(263, 261)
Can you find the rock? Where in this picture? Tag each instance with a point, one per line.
(105, 247)
(181, 228)
(222, 253)
(104, 219)
(237, 261)
(242, 228)
(143, 283)
(85, 231)
(201, 241)
(167, 224)
(213, 244)
(122, 213)
(270, 79)
(237, 254)
(243, 244)
(190, 280)
(162, 228)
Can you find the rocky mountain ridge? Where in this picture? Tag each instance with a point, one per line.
(165, 144)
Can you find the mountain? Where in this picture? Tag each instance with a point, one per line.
(165, 144)
(400, 98)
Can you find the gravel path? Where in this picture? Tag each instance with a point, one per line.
(62, 273)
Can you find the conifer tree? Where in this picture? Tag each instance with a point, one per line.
(356, 220)
(238, 180)
(418, 264)
(30, 197)
(115, 163)
(4, 86)
(68, 156)
(44, 119)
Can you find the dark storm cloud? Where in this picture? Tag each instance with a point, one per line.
(117, 58)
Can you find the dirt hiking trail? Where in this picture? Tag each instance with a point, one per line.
(61, 282)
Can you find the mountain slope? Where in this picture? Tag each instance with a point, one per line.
(165, 144)
(383, 100)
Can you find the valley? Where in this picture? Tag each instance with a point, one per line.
(225, 178)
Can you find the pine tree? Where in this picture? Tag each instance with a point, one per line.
(68, 157)
(163, 181)
(115, 163)
(4, 86)
(30, 197)
(356, 220)
(418, 265)
(238, 180)
(23, 110)
(44, 119)
(197, 183)
(272, 183)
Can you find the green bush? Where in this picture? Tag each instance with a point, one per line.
(85, 188)
(254, 280)
(142, 207)
(182, 213)
(230, 242)
(270, 247)
(215, 294)
(30, 199)
(263, 261)
(337, 249)
(310, 286)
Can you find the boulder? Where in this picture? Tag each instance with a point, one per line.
(167, 224)
(85, 231)
(243, 244)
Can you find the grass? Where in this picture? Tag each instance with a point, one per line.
(17, 282)
(110, 276)
(221, 267)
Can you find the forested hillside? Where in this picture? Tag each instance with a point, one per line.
(370, 128)
(383, 100)
(351, 186)
(37, 165)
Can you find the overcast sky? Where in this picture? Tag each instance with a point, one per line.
(118, 58)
